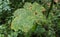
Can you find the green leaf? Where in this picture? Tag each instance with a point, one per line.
(24, 18)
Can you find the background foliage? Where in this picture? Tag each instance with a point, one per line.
(29, 18)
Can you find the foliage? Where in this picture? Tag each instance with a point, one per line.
(29, 18)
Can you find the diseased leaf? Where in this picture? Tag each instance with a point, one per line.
(25, 17)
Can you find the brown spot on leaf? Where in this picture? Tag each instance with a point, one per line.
(35, 13)
(30, 7)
